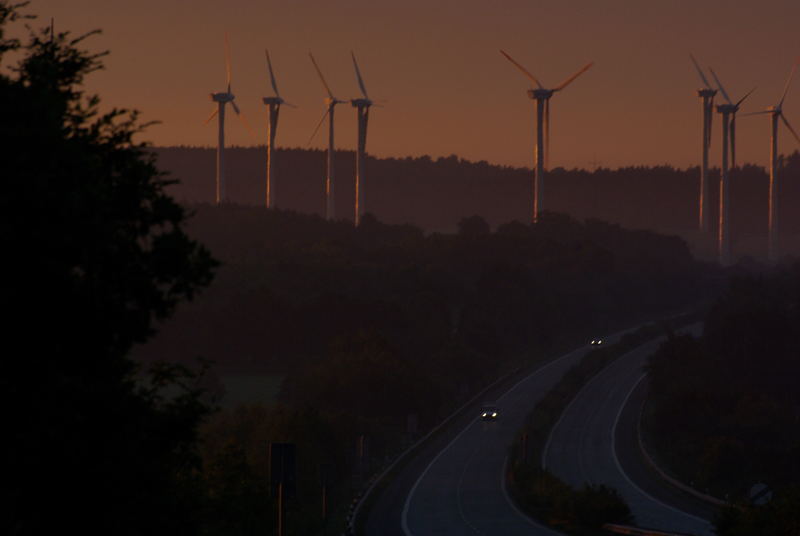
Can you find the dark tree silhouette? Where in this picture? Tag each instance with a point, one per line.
(95, 251)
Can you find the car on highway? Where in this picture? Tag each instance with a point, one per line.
(489, 412)
(596, 342)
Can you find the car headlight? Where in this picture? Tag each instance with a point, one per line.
(494, 414)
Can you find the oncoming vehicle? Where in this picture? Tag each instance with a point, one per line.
(489, 413)
(596, 342)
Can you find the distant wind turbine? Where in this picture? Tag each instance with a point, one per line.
(542, 98)
(223, 98)
(330, 104)
(273, 110)
(776, 112)
(728, 112)
(362, 105)
(706, 93)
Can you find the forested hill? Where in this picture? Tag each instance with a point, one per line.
(291, 285)
(435, 194)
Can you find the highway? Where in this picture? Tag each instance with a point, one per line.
(595, 442)
(457, 487)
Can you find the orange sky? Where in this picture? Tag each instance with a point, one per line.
(437, 64)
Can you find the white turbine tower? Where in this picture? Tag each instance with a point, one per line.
(362, 106)
(706, 93)
(728, 112)
(542, 98)
(273, 110)
(775, 113)
(330, 104)
(223, 98)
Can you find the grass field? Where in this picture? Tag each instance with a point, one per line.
(250, 389)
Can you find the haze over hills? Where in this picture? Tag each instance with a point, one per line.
(436, 194)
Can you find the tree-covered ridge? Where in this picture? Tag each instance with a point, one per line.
(436, 193)
(727, 404)
(299, 282)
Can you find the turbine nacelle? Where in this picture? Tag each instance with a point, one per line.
(361, 103)
(222, 97)
(333, 101)
(727, 108)
(706, 92)
(273, 100)
(540, 93)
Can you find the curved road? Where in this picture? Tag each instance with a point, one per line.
(459, 489)
(594, 443)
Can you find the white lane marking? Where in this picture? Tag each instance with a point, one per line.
(576, 397)
(458, 490)
(404, 517)
(406, 506)
(619, 466)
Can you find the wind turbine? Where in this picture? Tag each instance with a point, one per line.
(542, 98)
(706, 93)
(223, 98)
(728, 112)
(362, 106)
(273, 109)
(330, 104)
(776, 112)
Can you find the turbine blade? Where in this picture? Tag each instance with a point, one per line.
(762, 112)
(733, 140)
(742, 99)
(244, 120)
(569, 80)
(212, 116)
(358, 75)
(788, 81)
(794, 133)
(700, 72)
(272, 75)
(324, 83)
(719, 85)
(228, 62)
(521, 68)
(289, 104)
(324, 116)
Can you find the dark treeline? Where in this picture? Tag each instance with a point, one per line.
(381, 325)
(728, 403)
(290, 285)
(436, 193)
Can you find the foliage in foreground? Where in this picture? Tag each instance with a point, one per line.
(95, 253)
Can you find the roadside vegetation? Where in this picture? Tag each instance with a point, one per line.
(725, 407)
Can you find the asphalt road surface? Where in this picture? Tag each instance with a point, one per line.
(595, 442)
(456, 485)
